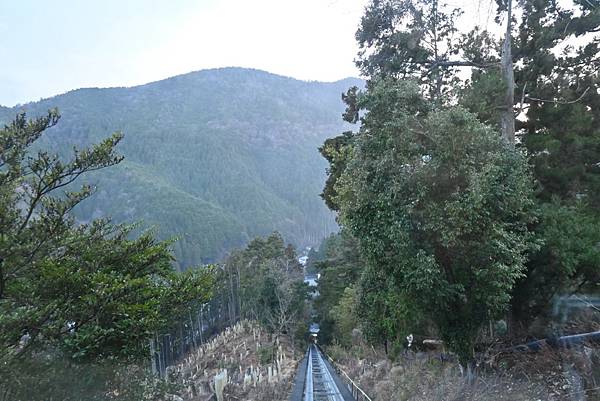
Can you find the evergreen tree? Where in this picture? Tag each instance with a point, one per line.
(419, 40)
(556, 90)
(77, 292)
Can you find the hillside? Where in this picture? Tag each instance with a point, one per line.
(257, 365)
(213, 157)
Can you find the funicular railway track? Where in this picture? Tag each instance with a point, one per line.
(320, 385)
(319, 382)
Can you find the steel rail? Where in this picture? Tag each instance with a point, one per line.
(356, 391)
(320, 384)
(308, 387)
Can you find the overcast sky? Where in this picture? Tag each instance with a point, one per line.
(50, 47)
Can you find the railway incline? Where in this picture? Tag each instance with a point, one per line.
(317, 380)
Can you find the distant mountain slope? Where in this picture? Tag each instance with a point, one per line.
(213, 157)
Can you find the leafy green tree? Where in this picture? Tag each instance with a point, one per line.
(440, 205)
(386, 312)
(556, 71)
(337, 151)
(567, 261)
(345, 316)
(555, 54)
(339, 269)
(82, 292)
(264, 282)
(557, 105)
(556, 74)
(559, 99)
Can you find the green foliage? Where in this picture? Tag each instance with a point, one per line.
(264, 282)
(340, 267)
(76, 292)
(52, 376)
(559, 131)
(482, 96)
(556, 70)
(387, 314)
(213, 158)
(450, 229)
(265, 354)
(567, 262)
(344, 315)
(440, 206)
(414, 39)
(337, 151)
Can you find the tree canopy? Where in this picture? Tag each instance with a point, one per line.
(457, 229)
(440, 204)
(83, 293)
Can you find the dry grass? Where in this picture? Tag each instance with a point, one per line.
(248, 353)
(550, 375)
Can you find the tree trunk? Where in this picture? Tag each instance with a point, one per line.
(193, 330)
(201, 325)
(232, 303)
(1, 278)
(239, 290)
(507, 116)
(438, 71)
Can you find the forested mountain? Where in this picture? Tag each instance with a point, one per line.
(214, 157)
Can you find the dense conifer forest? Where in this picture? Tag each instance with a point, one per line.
(213, 157)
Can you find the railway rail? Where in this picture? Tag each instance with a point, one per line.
(318, 381)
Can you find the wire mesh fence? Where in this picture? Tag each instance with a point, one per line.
(197, 328)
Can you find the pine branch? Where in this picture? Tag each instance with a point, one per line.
(559, 101)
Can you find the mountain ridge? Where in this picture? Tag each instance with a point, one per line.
(348, 80)
(214, 157)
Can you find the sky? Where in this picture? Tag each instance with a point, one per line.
(51, 47)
